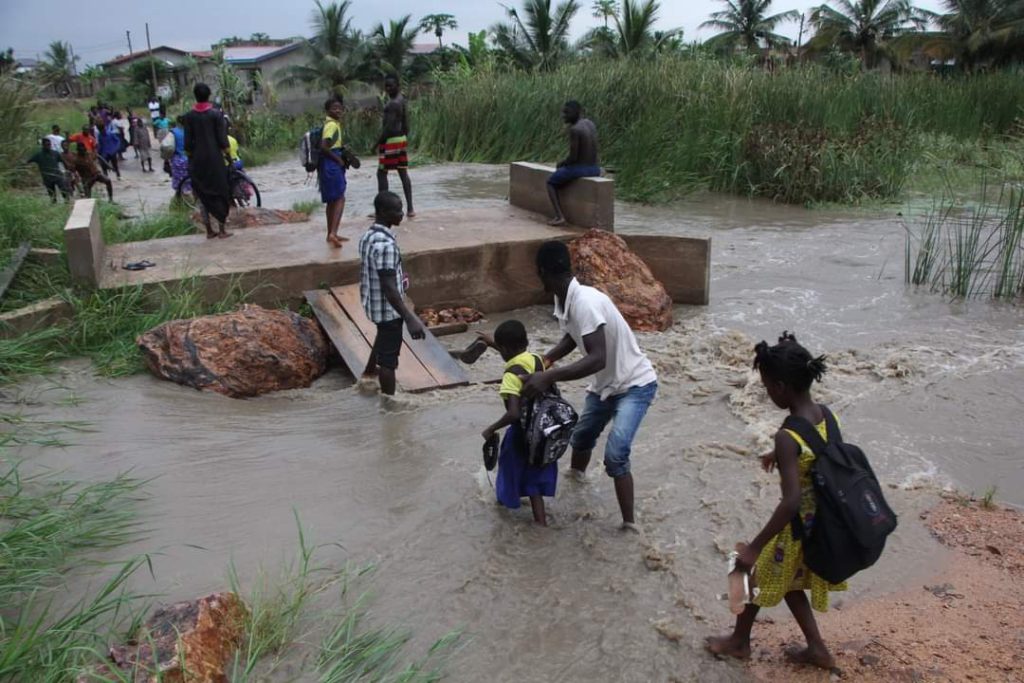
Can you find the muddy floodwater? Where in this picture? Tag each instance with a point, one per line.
(932, 390)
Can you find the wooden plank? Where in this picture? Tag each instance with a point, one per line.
(446, 329)
(436, 359)
(8, 274)
(411, 375)
(343, 333)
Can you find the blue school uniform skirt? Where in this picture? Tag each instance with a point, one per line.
(517, 478)
(332, 180)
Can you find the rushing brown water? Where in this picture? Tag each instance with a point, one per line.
(930, 389)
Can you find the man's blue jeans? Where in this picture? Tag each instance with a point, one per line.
(625, 411)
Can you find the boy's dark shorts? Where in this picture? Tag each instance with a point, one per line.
(388, 343)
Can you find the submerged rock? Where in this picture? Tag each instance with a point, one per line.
(187, 642)
(601, 259)
(246, 353)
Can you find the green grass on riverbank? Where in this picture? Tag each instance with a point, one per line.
(31, 217)
(670, 126)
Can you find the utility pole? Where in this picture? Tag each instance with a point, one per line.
(152, 63)
(800, 37)
(129, 34)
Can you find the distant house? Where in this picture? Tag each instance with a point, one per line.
(423, 49)
(171, 56)
(25, 65)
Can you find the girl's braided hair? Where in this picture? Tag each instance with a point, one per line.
(789, 363)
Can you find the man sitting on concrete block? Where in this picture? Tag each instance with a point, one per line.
(582, 161)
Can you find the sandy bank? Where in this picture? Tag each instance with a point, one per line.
(965, 623)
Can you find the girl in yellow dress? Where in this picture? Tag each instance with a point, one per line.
(776, 558)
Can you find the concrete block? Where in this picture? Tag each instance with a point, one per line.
(45, 313)
(587, 202)
(84, 242)
(682, 264)
(46, 257)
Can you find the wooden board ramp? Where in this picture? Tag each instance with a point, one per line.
(424, 365)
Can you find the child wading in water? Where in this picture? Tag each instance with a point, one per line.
(516, 477)
(787, 372)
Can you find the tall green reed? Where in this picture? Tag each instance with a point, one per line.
(970, 250)
(671, 125)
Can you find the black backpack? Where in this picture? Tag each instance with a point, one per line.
(547, 422)
(851, 518)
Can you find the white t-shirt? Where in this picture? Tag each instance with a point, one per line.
(587, 309)
(55, 142)
(154, 109)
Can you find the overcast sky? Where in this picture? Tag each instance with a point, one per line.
(96, 31)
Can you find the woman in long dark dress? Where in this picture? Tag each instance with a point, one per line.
(206, 143)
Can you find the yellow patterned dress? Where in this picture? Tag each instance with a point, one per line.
(780, 566)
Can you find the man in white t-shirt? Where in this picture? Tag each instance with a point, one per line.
(623, 381)
(154, 109)
(55, 138)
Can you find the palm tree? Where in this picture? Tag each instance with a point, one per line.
(605, 9)
(633, 32)
(336, 55)
(393, 44)
(981, 31)
(540, 40)
(437, 24)
(865, 26)
(259, 37)
(58, 67)
(744, 22)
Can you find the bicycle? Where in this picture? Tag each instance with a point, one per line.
(243, 190)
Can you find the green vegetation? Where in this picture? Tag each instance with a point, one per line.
(49, 527)
(969, 250)
(288, 609)
(306, 206)
(988, 500)
(676, 124)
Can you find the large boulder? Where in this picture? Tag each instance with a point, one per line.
(601, 259)
(246, 353)
(187, 642)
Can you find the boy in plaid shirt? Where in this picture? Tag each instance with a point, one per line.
(381, 288)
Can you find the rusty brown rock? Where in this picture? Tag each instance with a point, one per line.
(601, 259)
(463, 314)
(187, 642)
(246, 353)
(255, 217)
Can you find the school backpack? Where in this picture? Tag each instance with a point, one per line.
(851, 518)
(167, 147)
(309, 149)
(547, 422)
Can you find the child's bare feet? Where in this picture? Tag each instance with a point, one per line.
(557, 221)
(814, 655)
(334, 241)
(728, 646)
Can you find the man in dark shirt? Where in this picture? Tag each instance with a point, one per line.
(49, 162)
(582, 161)
(393, 143)
(206, 143)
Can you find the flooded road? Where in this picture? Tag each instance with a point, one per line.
(930, 389)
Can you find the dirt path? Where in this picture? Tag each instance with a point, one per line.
(965, 623)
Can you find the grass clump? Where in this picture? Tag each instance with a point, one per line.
(970, 249)
(306, 206)
(49, 527)
(287, 612)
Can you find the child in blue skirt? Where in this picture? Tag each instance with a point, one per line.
(516, 477)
